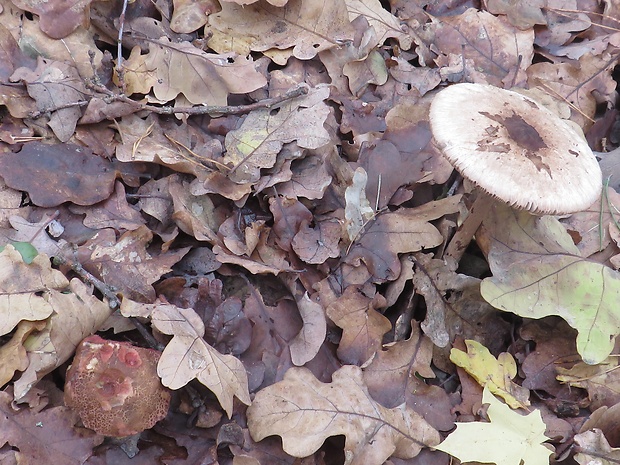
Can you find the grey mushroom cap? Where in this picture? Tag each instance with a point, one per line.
(515, 149)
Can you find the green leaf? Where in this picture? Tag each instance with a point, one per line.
(25, 249)
(537, 272)
(508, 439)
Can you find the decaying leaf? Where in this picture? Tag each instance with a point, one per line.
(305, 412)
(509, 438)
(496, 374)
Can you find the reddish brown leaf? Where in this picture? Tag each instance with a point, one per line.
(54, 174)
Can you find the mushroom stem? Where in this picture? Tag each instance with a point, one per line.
(465, 233)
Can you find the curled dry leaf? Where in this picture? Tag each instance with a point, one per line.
(188, 356)
(305, 412)
(309, 340)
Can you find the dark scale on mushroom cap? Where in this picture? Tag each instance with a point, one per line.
(515, 149)
(114, 387)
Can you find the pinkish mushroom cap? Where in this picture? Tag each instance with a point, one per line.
(114, 387)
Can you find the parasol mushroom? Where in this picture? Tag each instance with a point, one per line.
(514, 150)
(114, 387)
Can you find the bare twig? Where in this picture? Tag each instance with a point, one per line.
(213, 110)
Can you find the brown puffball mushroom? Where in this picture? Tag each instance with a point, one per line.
(514, 150)
(114, 387)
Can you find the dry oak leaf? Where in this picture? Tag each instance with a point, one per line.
(602, 381)
(494, 373)
(13, 354)
(363, 327)
(306, 27)
(498, 56)
(48, 436)
(509, 438)
(262, 134)
(393, 370)
(54, 84)
(382, 21)
(77, 314)
(25, 289)
(125, 263)
(402, 231)
(188, 15)
(54, 174)
(174, 68)
(188, 356)
(594, 449)
(58, 18)
(145, 140)
(309, 340)
(305, 412)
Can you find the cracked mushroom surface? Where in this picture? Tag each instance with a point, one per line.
(515, 149)
(114, 387)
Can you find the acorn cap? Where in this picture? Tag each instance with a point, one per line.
(516, 150)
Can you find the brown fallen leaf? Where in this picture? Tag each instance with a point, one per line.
(305, 412)
(77, 314)
(48, 436)
(24, 288)
(54, 174)
(256, 144)
(363, 327)
(188, 356)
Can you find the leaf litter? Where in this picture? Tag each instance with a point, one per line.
(252, 189)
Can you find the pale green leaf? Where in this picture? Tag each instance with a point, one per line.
(537, 272)
(508, 439)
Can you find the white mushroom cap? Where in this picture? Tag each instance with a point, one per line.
(515, 149)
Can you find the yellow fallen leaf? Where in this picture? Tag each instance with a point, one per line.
(509, 438)
(491, 372)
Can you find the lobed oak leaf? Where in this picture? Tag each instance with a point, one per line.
(52, 85)
(125, 263)
(305, 412)
(188, 356)
(462, 50)
(262, 134)
(156, 141)
(305, 27)
(393, 369)
(77, 314)
(316, 245)
(58, 19)
(363, 327)
(203, 78)
(496, 374)
(509, 438)
(25, 288)
(602, 381)
(593, 448)
(538, 272)
(385, 24)
(404, 230)
(13, 354)
(188, 16)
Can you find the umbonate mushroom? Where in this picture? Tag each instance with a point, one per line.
(514, 150)
(114, 387)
